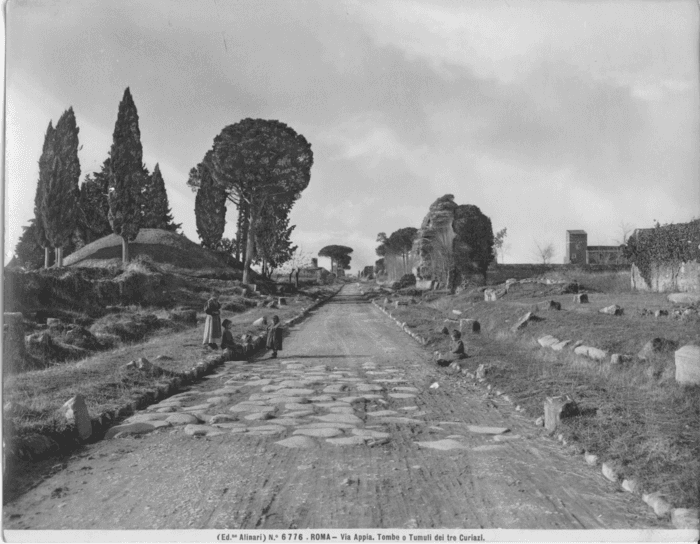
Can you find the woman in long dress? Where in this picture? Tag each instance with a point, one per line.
(212, 327)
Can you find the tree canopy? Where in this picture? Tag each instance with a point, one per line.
(260, 163)
(45, 167)
(155, 211)
(339, 256)
(209, 206)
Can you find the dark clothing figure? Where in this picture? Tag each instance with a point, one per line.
(227, 340)
(212, 327)
(274, 336)
(457, 349)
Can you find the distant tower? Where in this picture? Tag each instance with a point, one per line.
(576, 244)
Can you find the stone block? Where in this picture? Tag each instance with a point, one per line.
(688, 365)
(491, 295)
(618, 359)
(547, 341)
(685, 518)
(559, 346)
(591, 352)
(260, 322)
(684, 298)
(661, 313)
(612, 310)
(556, 409)
(657, 346)
(281, 301)
(483, 370)
(523, 321)
(631, 486)
(581, 298)
(658, 503)
(554, 305)
(76, 412)
(469, 325)
(610, 472)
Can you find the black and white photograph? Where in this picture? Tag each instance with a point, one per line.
(351, 270)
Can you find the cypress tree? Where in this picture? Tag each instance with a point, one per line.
(156, 212)
(28, 253)
(209, 207)
(126, 174)
(59, 209)
(94, 205)
(45, 162)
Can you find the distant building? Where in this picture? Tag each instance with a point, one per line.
(579, 252)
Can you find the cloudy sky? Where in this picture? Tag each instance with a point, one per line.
(547, 115)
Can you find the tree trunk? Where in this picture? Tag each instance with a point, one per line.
(59, 257)
(296, 279)
(125, 251)
(47, 257)
(248, 258)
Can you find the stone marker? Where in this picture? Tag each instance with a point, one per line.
(631, 486)
(560, 345)
(684, 298)
(469, 325)
(182, 419)
(482, 371)
(547, 341)
(688, 365)
(658, 503)
(76, 412)
(612, 310)
(610, 472)
(491, 295)
(591, 459)
(554, 305)
(282, 301)
(617, 359)
(260, 322)
(523, 321)
(321, 432)
(591, 352)
(656, 345)
(556, 409)
(661, 313)
(581, 298)
(685, 518)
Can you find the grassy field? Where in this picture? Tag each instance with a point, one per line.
(636, 416)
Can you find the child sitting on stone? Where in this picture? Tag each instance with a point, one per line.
(457, 350)
(227, 342)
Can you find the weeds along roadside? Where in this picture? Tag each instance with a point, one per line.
(637, 417)
(104, 382)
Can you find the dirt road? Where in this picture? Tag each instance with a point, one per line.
(343, 431)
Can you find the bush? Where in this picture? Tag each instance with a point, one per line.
(81, 337)
(407, 280)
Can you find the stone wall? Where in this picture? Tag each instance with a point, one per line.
(684, 277)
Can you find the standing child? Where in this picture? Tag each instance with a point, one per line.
(227, 342)
(274, 336)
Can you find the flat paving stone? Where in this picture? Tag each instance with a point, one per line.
(202, 430)
(506, 437)
(260, 397)
(409, 408)
(292, 392)
(288, 362)
(297, 413)
(196, 407)
(251, 408)
(225, 391)
(490, 448)
(321, 425)
(289, 400)
(350, 400)
(327, 432)
(182, 419)
(406, 389)
(389, 380)
(371, 396)
(339, 418)
(445, 444)
(258, 416)
(368, 433)
(342, 410)
(298, 442)
(238, 430)
(229, 425)
(348, 441)
(290, 383)
(287, 421)
(141, 427)
(146, 417)
(267, 430)
(382, 413)
(321, 398)
(401, 420)
(336, 388)
(255, 383)
(271, 388)
(218, 400)
(253, 403)
(367, 387)
(487, 430)
(295, 367)
(331, 404)
(298, 406)
(402, 395)
(222, 418)
(166, 410)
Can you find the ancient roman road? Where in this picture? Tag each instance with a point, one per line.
(343, 431)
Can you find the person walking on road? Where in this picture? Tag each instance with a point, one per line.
(212, 327)
(274, 336)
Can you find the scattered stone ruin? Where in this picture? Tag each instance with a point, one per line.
(579, 252)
